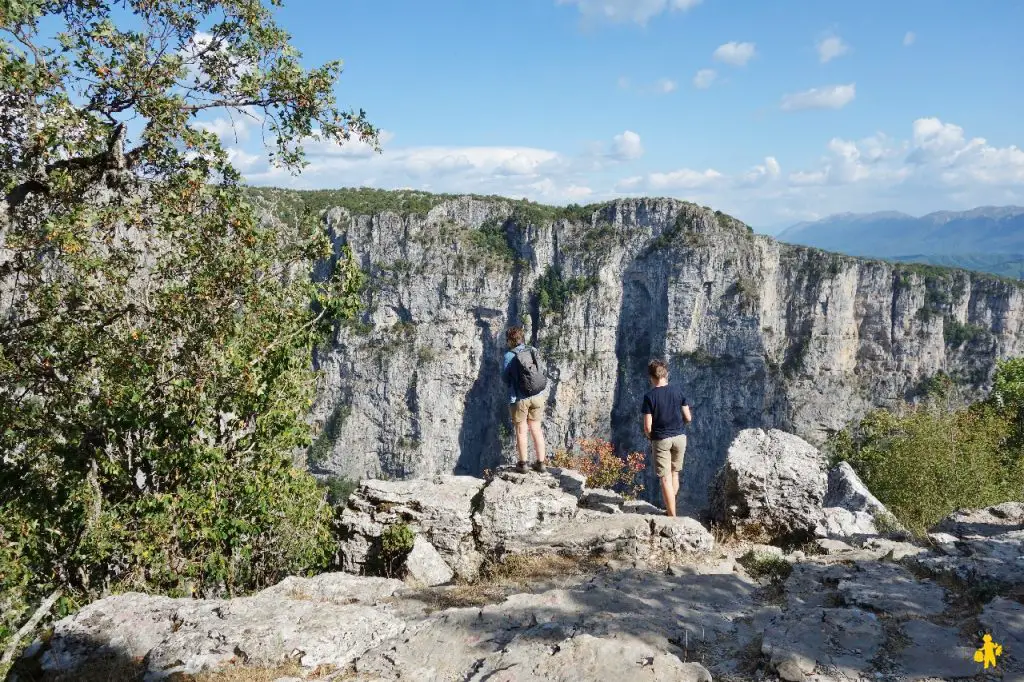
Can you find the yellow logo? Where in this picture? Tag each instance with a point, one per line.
(988, 652)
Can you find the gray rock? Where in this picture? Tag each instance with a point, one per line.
(801, 640)
(424, 566)
(995, 558)
(934, 652)
(892, 589)
(440, 510)
(516, 506)
(628, 535)
(641, 507)
(847, 491)
(324, 621)
(771, 486)
(975, 523)
(572, 482)
(595, 498)
(1004, 620)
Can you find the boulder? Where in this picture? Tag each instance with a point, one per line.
(627, 535)
(983, 523)
(330, 619)
(801, 640)
(440, 510)
(517, 505)
(772, 486)
(602, 500)
(425, 566)
(851, 510)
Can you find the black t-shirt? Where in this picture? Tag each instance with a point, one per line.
(665, 405)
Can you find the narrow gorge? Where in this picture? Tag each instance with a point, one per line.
(759, 333)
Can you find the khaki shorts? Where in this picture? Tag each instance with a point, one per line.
(668, 453)
(531, 408)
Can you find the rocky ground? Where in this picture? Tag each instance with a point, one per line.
(536, 577)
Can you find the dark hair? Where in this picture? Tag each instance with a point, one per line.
(515, 336)
(657, 369)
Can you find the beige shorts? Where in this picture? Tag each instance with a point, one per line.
(531, 408)
(668, 454)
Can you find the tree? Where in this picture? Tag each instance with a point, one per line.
(155, 331)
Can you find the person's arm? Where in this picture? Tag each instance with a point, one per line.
(648, 420)
(687, 417)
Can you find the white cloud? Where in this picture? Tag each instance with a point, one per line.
(935, 165)
(735, 54)
(628, 146)
(704, 78)
(831, 47)
(228, 130)
(666, 85)
(624, 11)
(827, 97)
(909, 38)
(662, 86)
(684, 178)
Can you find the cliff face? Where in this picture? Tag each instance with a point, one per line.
(759, 333)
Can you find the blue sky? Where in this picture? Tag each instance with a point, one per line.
(801, 109)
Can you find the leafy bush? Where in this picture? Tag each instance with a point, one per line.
(596, 459)
(554, 291)
(765, 565)
(339, 489)
(956, 333)
(395, 544)
(929, 460)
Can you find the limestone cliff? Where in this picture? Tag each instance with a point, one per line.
(760, 334)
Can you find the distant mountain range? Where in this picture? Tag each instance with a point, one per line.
(988, 238)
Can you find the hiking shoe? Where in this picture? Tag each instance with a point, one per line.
(521, 468)
(539, 467)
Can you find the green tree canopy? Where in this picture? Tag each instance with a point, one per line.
(155, 329)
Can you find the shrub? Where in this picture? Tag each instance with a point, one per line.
(596, 459)
(765, 565)
(395, 544)
(927, 462)
(554, 291)
(339, 489)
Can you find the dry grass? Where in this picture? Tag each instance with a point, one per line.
(500, 579)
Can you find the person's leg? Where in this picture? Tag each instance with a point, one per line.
(518, 415)
(663, 468)
(678, 453)
(536, 427)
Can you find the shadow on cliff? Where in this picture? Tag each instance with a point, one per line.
(479, 436)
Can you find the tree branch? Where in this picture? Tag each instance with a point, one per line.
(30, 625)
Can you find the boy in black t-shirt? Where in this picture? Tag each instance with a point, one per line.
(665, 417)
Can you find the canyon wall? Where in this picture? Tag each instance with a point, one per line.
(759, 333)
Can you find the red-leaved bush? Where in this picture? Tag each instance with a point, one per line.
(595, 458)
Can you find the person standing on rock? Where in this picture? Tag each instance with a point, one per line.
(665, 415)
(526, 383)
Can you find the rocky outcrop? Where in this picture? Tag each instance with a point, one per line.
(983, 546)
(627, 596)
(847, 615)
(774, 487)
(760, 334)
(511, 514)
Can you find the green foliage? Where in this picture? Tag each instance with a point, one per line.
(554, 291)
(492, 239)
(930, 460)
(748, 291)
(956, 333)
(765, 565)
(154, 351)
(339, 489)
(395, 544)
